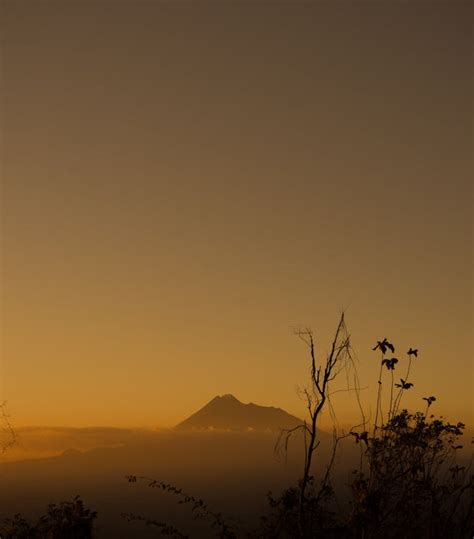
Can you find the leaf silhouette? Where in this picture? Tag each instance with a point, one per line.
(384, 346)
(390, 363)
(403, 384)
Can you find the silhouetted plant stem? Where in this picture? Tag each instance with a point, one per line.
(379, 397)
(317, 399)
(398, 399)
(391, 412)
(309, 449)
(199, 509)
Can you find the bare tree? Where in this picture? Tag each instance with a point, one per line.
(317, 397)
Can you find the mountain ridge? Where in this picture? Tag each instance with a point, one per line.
(226, 412)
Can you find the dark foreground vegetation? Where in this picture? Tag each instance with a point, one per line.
(409, 481)
(67, 520)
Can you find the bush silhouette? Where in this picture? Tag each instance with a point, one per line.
(411, 485)
(66, 520)
(408, 484)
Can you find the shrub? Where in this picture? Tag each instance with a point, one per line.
(66, 520)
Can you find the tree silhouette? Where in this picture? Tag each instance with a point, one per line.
(317, 397)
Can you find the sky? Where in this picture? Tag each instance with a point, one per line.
(184, 183)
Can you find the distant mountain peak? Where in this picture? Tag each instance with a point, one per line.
(227, 397)
(226, 412)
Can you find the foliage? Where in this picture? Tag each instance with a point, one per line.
(283, 519)
(17, 527)
(409, 483)
(66, 520)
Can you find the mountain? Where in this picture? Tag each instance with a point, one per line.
(228, 413)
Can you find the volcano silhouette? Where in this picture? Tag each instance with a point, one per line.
(228, 413)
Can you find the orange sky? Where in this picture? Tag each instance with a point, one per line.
(182, 184)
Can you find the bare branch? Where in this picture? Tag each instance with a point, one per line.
(9, 437)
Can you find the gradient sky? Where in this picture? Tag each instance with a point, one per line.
(182, 183)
